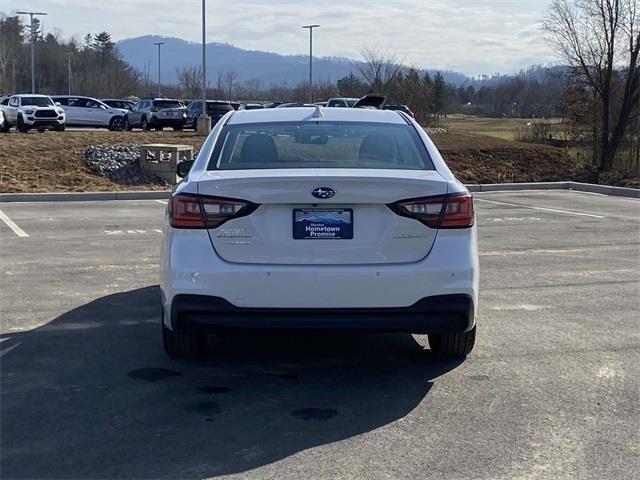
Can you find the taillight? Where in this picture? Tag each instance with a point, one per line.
(199, 211)
(445, 211)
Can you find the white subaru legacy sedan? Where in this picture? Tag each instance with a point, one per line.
(319, 218)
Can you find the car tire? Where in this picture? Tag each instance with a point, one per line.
(177, 129)
(59, 128)
(453, 344)
(183, 344)
(127, 125)
(21, 126)
(42, 130)
(116, 124)
(144, 124)
(159, 128)
(5, 127)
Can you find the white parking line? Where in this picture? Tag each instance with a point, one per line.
(16, 229)
(542, 209)
(163, 202)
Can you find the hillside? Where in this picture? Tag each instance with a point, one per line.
(268, 67)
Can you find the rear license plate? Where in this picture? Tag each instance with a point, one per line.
(322, 223)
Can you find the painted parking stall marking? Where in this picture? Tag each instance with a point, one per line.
(542, 209)
(11, 224)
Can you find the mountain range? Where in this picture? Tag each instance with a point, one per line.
(267, 67)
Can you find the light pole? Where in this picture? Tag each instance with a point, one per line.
(33, 47)
(69, 71)
(204, 122)
(311, 27)
(159, 44)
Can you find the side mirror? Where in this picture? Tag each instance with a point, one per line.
(183, 168)
(58, 104)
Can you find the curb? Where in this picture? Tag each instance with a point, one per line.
(577, 186)
(85, 196)
(164, 194)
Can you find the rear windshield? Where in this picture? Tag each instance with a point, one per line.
(319, 145)
(167, 104)
(219, 107)
(37, 101)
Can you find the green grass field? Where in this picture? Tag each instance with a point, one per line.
(503, 128)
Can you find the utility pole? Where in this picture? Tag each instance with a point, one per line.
(69, 71)
(159, 44)
(33, 47)
(311, 27)
(204, 122)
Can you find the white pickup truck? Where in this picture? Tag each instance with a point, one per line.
(31, 111)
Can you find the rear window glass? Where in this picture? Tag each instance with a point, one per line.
(319, 145)
(219, 107)
(167, 104)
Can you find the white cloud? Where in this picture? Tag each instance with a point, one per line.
(464, 34)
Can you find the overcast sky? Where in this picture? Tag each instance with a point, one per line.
(471, 36)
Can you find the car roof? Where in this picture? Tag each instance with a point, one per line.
(300, 114)
(31, 95)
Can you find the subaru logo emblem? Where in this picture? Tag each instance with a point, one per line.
(323, 192)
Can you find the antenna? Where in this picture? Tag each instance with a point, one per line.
(317, 113)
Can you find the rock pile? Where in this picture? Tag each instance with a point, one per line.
(120, 163)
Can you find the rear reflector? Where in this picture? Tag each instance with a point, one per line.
(445, 211)
(200, 211)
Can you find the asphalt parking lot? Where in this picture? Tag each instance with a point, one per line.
(552, 389)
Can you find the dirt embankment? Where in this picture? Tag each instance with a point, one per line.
(53, 161)
(482, 159)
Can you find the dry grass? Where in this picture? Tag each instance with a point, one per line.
(53, 161)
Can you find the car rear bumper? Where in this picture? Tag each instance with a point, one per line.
(378, 294)
(167, 122)
(437, 314)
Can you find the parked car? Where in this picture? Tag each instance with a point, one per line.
(157, 113)
(341, 102)
(359, 224)
(116, 103)
(90, 112)
(32, 111)
(216, 109)
(401, 108)
(1, 121)
(235, 105)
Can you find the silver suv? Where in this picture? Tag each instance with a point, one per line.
(156, 113)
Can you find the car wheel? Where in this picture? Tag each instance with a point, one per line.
(59, 128)
(127, 125)
(453, 344)
(21, 126)
(116, 124)
(183, 344)
(159, 128)
(5, 127)
(145, 124)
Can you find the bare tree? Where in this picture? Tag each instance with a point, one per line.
(600, 41)
(190, 79)
(229, 79)
(379, 68)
